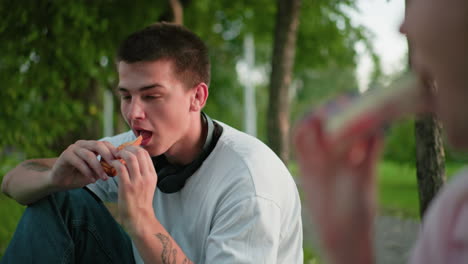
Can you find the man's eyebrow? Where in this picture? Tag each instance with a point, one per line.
(144, 88)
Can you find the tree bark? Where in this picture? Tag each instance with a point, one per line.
(177, 11)
(287, 21)
(430, 160)
(430, 155)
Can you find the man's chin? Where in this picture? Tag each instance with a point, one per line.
(153, 151)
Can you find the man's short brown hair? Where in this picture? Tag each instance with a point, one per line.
(168, 41)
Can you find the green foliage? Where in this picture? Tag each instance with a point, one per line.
(400, 143)
(56, 60)
(326, 59)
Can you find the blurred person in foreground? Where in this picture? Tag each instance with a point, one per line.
(339, 174)
(195, 191)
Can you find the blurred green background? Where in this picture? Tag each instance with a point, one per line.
(57, 66)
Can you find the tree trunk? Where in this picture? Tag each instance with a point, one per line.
(430, 160)
(177, 11)
(287, 21)
(430, 156)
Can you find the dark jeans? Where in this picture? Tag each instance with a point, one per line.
(68, 227)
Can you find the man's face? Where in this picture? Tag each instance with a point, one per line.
(437, 31)
(155, 104)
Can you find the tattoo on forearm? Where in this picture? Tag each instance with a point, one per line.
(32, 165)
(169, 253)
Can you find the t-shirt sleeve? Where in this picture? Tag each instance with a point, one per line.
(444, 235)
(245, 232)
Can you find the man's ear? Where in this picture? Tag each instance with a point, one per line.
(199, 97)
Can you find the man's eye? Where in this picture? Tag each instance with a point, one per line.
(150, 97)
(125, 97)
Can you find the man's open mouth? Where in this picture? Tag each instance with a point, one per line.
(146, 135)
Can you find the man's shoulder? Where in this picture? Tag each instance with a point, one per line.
(120, 138)
(241, 143)
(253, 163)
(244, 150)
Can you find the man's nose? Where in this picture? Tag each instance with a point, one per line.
(136, 110)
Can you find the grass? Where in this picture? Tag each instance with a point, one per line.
(397, 187)
(10, 212)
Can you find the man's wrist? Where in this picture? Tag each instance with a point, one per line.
(50, 184)
(142, 224)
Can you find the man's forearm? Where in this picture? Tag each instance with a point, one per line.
(156, 245)
(29, 181)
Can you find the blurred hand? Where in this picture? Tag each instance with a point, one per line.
(338, 177)
(78, 165)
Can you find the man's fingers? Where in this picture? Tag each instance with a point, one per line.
(112, 149)
(150, 170)
(103, 148)
(137, 155)
(132, 161)
(90, 159)
(122, 172)
(83, 168)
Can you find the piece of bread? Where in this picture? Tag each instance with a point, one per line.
(375, 108)
(111, 171)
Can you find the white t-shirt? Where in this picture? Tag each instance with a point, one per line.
(444, 234)
(240, 206)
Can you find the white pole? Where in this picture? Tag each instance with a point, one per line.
(250, 110)
(108, 115)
